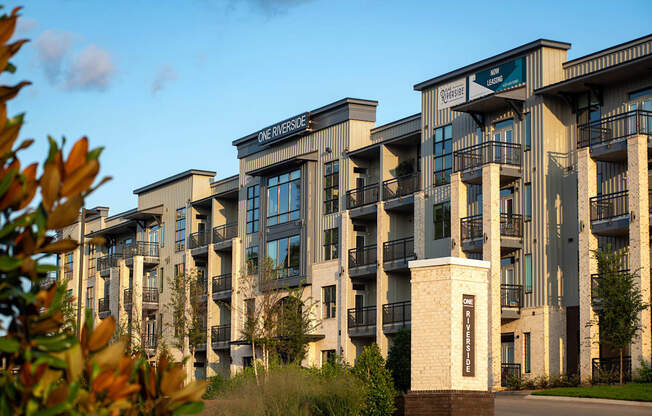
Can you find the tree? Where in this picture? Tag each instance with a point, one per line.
(187, 307)
(617, 302)
(296, 322)
(399, 360)
(380, 391)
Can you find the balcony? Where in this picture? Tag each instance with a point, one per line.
(223, 235)
(222, 287)
(397, 253)
(399, 192)
(48, 281)
(103, 307)
(511, 301)
(610, 214)
(507, 371)
(200, 239)
(396, 316)
(147, 249)
(127, 298)
(470, 161)
(362, 202)
(362, 321)
(105, 263)
(362, 261)
(607, 137)
(511, 233)
(150, 298)
(150, 341)
(220, 337)
(608, 369)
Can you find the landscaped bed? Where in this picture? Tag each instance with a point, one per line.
(632, 391)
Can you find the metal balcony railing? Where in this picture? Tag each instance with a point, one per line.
(128, 296)
(107, 262)
(608, 369)
(615, 127)
(471, 227)
(362, 256)
(488, 152)
(103, 305)
(509, 370)
(397, 313)
(199, 239)
(401, 186)
(150, 295)
(225, 232)
(140, 248)
(362, 196)
(221, 333)
(607, 206)
(402, 249)
(362, 317)
(49, 281)
(222, 283)
(511, 296)
(150, 341)
(511, 225)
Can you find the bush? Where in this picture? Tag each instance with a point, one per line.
(514, 383)
(528, 383)
(380, 391)
(399, 360)
(644, 373)
(541, 382)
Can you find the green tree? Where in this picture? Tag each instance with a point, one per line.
(379, 386)
(187, 307)
(296, 322)
(399, 360)
(617, 302)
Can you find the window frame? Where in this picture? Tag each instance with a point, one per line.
(253, 207)
(180, 230)
(527, 273)
(274, 184)
(527, 352)
(329, 301)
(331, 248)
(331, 205)
(446, 170)
(527, 201)
(445, 221)
(290, 270)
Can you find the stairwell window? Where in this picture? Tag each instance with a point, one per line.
(331, 186)
(442, 218)
(329, 295)
(180, 230)
(331, 243)
(253, 209)
(443, 154)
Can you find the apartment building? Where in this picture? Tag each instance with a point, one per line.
(525, 159)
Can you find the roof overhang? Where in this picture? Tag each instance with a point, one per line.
(118, 229)
(367, 152)
(285, 164)
(204, 202)
(152, 213)
(512, 99)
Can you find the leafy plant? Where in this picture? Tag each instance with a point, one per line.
(380, 391)
(644, 373)
(399, 360)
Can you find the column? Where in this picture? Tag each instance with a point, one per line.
(238, 267)
(458, 211)
(346, 299)
(382, 286)
(99, 293)
(639, 238)
(137, 322)
(588, 242)
(419, 224)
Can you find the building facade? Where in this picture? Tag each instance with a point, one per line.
(525, 159)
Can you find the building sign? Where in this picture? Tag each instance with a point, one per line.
(451, 94)
(496, 79)
(283, 129)
(468, 335)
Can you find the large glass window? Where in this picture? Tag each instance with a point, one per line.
(329, 295)
(284, 255)
(180, 230)
(253, 209)
(442, 218)
(68, 265)
(252, 259)
(443, 154)
(284, 198)
(528, 273)
(527, 201)
(331, 240)
(331, 186)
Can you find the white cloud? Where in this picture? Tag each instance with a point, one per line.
(165, 74)
(25, 25)
(92, 69)
(52, 49)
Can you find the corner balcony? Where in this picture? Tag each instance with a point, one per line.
(397, 254)
(361, 202)
(470, 161)
(220, 337)
(221, 287)
(511, 233)
(607, 137)
(362, 261)
(223, 236)
(396, 316)
(106, 263)
(511, 301)
(362, 321)
(610, 214)
(399, 192)
(103, 307)
(198, 243)
(148, 250)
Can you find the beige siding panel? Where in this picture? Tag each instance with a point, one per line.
(609, 58)
(403, 129)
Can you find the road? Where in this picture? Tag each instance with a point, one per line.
(518, 405)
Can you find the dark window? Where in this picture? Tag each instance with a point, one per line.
(91, 260)
(327, 356)
(331, 243)
(179, 269)
(641, 93)
(528, 132)
(252, 259)
(527, 201)
(443, 154)
(528, 273)
(527, 352)
(180, 230)
(329, 295)
(253, 209)
(588, 108)
(68, 265)
(331, 186)
(284, 198)
(442, 218)
(285, 255)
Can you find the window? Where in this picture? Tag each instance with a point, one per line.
(252, 259)
(90, 294)
(331, 243)
(284, 198)
(68, 265)
(443, 154)
(179, 269)
(528, 273)
(162, 235)
(284, 255)
(327, 356)
(641, 93)
(253, 209)
(91, 260)
(442, 218)
(180, 230)
(527, 139)
(250, 310)
(152, 279)
(527, 352)
(331, 186)
(527, 201)
(328, 296)
(161, 277)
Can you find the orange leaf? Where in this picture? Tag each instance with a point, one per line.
(65, 214)
(102, 334)
(103, 380)
(60, 246)
(81, 179)
(58, 395)
(172, 379)
(8, 25)
(9, 135)
(7, 93)
(7, 51)
(50, 183)
(77, 156)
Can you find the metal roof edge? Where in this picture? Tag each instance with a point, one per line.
(174, 178)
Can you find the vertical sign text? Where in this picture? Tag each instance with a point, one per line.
(468, 334)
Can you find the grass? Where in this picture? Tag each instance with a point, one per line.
(633, 391)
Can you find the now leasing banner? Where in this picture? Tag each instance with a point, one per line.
(496, 79)
(468, 333)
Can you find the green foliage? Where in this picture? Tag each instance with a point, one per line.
(631, 391)
(399, 360)
(295, 322)
(542, 382)
(380, 391)
(644, 373)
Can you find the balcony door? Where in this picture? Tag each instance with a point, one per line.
(152, 279)
(507, 349)
(503, 133)
(507, 271)
(645, 119)
(507, 201)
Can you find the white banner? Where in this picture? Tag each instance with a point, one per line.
(451, 94)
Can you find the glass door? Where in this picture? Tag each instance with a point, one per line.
(503, 133)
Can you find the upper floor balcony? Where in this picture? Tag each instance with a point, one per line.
(223, 236)
(362, 261)
(610, 214)
(511, 233)
(511, 301)
(470, 160)
(199, 239)
(607, 137)
(221, 287)
(396, 316)
(105, 263)
(397, 253)
(220, 336)
(148, 250)
(399, 192)
(362, 321)
(103, 307)
(362, 201)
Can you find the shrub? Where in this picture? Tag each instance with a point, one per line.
(514, 382)
(399, 360)
(644, 373)
(541, 382)
(380, 391)
(528, 383)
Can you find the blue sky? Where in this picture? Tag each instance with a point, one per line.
(167, 85)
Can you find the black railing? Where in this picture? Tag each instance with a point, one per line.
(509, 370)
(362, 317)
(103, 305)
(595, 279)
(397, 313)
(362, 256)
(150, 295)
(604, 207)
(608, 369)
(199, 239)
(362, 196)
(487, 152)
(471, 227)
(401, 186)
(107, 262)
(199, 288)
(128, 296)
(150, 341)
(225, 232)
(511, 296)
(402, 249)
(139, 248)
(616, 127)
(221, 333)
(222, 283)
(511, 225)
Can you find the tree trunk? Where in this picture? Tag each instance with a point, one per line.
(621, 365)
(253, 359)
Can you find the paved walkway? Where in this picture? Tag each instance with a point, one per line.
(519, 405)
